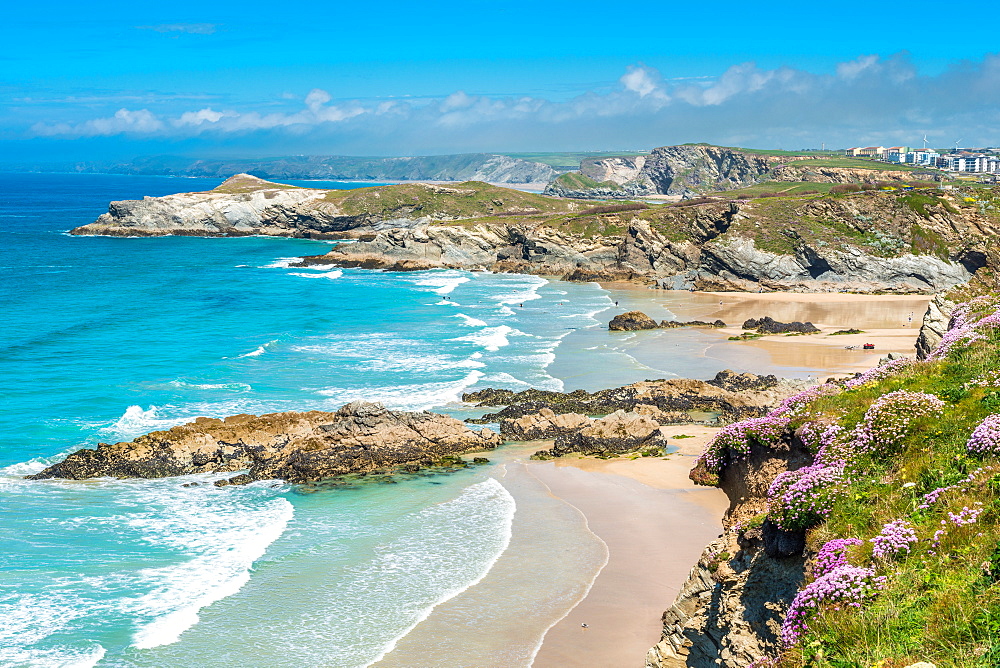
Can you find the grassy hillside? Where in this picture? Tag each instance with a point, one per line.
(471, 199)
(901, 508)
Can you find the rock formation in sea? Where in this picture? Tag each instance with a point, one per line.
(296, 447)
(733, 396)
(637, 320)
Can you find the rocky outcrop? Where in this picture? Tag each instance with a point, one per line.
(296, 447)
(869, 242)
(750, 396)
(802, 170)
(730, 609)
(245, 205)
(544, 424)
(631, 321)
(637, 320)
(934, 324)
(613, 434)
(768, 325)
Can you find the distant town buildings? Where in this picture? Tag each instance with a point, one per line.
(970, 162)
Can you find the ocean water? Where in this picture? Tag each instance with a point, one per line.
(103, 339)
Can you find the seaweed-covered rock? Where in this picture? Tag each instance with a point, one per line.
(298, 447)
(768, 325)
(631, 321)
(543, 424)
(616, 433)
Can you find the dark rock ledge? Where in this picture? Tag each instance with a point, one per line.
(296, 447)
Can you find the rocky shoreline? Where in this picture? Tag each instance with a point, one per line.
(360, 438)
(364, 438)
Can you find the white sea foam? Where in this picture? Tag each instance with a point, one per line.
(468, 321)
(280, 263)
(504, 378)
(336, 273)
(218, 535)
(259, 350)
(491, 338)
(524, 290)
(483, 511)
(446, 302)
(232, 387)
(442, 282)
(136, 421)
(27, 619)
(406, 397)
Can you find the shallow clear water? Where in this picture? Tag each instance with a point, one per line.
(103, 339)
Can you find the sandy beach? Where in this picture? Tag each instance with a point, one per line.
(608, 543)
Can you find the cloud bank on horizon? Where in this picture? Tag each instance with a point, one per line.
(870, 99)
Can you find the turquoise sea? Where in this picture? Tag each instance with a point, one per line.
(103, 339)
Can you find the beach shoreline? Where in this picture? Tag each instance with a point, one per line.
(644, 514)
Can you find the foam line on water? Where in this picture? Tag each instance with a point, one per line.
(491, 339)
(416, 397)
(280, 263)
(220, 537)
(442, 282)
(336, 273)
(590, 585)
(469, 321)
(259, 350)
(480, 492)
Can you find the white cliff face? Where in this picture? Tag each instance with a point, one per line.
(617, 170)
(264, 211)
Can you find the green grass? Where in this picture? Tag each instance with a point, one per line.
(578, 181)
(943, 607)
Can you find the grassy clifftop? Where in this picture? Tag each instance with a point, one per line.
(900, 507)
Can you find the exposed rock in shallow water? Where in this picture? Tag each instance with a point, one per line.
(631, 321)
(616, 433)
(297, 447)
(543, 424)
(768, 325)
(733, 396)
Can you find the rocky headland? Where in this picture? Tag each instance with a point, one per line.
(360, 438)
(899, 242)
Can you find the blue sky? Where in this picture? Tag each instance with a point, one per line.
(114, 80)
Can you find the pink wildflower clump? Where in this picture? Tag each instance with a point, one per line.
(985, 438)
(804, 497)
(966, 326)
(963, 517)
(930, 498)
(890, 417)
(795, 404)
(878, 373)
(894, 540)
(733, 441)
(845, 586)
(832, 556)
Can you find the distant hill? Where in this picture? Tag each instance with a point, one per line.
(462, 167)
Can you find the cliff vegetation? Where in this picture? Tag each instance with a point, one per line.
(874, 507)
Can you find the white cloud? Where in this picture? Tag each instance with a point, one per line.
(869, 97)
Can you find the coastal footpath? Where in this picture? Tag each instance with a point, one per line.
(921, 241)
